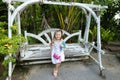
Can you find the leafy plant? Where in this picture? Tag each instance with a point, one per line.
(68, 16)
(106, 34)
(9, 45)
(93, 33)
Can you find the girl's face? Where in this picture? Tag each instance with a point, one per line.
(58, 35)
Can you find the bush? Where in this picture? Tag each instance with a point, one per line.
(106, 34)
(9, 45)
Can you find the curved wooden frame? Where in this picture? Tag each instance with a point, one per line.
(51, 31)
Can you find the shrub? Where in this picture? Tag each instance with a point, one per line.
(106, 34)
(9, 45)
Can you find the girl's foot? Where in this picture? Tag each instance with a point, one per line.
(55, 73)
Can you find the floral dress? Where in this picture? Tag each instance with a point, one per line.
(57, 53)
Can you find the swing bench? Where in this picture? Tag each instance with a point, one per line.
(40, 53)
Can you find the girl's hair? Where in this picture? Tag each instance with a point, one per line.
(58, 31)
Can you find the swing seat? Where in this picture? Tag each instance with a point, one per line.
(40, 53)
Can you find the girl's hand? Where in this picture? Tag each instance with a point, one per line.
(51, 46)
(63, 44)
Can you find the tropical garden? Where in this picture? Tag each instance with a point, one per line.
(36, 18)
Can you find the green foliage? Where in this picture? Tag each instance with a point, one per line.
(68, 17)
(3, 12)
(9, 45)
(106, 34)
(7, 60)
(93, 33)
(31, 18)
(32, 40)
(14, 29)
(2, 24)
(108, 20)
(103, 2)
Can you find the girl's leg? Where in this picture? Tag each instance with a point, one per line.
(56, 69)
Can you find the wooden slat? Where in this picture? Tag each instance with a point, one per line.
(37, 37)
(71, 35)
(48, 37)
(49, 60)
(43, 52)
(52, 34)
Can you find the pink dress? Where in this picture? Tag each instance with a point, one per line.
(57, 53)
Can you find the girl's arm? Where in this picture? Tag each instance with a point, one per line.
(51, 44)
(63, 44)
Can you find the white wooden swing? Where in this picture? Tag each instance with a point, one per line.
(41, 52)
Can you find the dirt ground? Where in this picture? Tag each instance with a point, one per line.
(76, 70)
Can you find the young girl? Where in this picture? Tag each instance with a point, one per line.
(57, 53)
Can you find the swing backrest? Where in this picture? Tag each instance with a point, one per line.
(46, 36)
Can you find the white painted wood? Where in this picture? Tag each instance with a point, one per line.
(37, 37)
(28, 54)
(80, 39)
(9, 22)
(44, 33)
(52, 30)
(19, 23)
(10, 36)
(22, 53)
(65, 33)
(99, 44)
(48, 31)
(37, 52)
(7, 1)
(86, 33)
(25, 34)
(91, 6)
(48, 38)
(12, 8)
(10, 69)
(21, 0)
(49, 61)
(52, 34)
(90, 47)
(71, 35)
